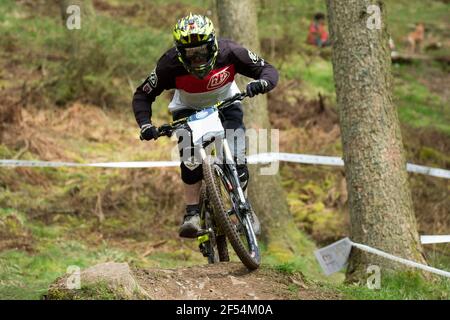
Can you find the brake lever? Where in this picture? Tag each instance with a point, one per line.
(165, 130)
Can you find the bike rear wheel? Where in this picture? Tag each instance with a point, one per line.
(239, 233)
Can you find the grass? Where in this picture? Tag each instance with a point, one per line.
(402, 286)
(26, 274)
(316, 75)
(97, 291)
(417, 106)
(393, 286)
(303, 263)
(105, 61)
(402, 15)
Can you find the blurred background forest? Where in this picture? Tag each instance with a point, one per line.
(66, 96)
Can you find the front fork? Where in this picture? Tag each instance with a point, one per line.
(243, 205)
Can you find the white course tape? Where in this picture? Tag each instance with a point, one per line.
(32, 163)
(130, 164)
(334, 257)
(336, 161)
(434, 239)
(136, 164)
(401, 260)
(294, 157)
(261, 158)
(435, 172)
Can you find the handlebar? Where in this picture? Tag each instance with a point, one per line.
(168, 128)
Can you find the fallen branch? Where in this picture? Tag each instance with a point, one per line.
(23, 150)
(152, 248)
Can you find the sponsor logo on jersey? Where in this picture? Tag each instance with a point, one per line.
(151, 82)
(253, 56)
(218, 79)
(147, 88)
(153, 78)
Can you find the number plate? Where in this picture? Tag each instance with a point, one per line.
(205, 124)
(334, 257)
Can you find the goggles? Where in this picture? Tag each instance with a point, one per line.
(197, 56)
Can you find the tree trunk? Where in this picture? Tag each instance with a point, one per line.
(381, 209)
(238, 21)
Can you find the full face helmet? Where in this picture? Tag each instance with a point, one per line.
(196, 44)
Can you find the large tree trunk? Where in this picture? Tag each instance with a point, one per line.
(381, 209)
(238, 21)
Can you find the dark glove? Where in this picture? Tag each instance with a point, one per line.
(149, 132)
(256, 87)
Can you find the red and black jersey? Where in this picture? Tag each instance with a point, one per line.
(192, 92)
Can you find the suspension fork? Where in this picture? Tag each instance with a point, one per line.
(232, 165)
(229, 161)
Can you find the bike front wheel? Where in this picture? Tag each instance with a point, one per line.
(216, 247)
(238, 231)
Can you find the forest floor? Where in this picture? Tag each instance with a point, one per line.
(227, 281)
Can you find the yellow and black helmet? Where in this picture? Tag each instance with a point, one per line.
(196, 44)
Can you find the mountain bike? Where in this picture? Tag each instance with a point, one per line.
(225, 211)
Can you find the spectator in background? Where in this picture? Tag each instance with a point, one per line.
(318, 35)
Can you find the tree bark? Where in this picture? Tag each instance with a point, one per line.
(238, 21)
(380, 203)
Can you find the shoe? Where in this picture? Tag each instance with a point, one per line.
(255, 224)
(191, 225)
(243, 175)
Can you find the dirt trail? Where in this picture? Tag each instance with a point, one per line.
(226, 281)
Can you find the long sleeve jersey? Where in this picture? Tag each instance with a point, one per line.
(192, 92)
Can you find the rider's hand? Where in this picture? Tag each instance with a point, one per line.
(256, 87)
(148, 132)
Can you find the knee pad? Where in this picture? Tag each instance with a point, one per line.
(191, 174)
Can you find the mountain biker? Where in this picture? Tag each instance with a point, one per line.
(201, 69)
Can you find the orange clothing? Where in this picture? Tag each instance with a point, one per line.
(316, 32)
